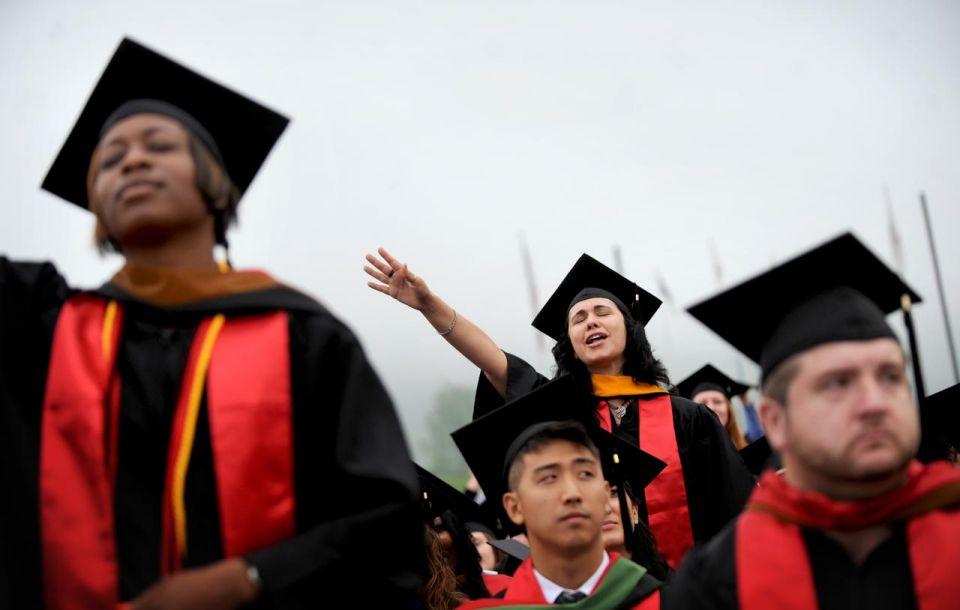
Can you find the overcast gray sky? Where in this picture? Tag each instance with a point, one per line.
(442, 129)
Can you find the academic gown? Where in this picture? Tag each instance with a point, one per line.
(716, 479)
(623, 586)
(707, 580)
(354, 486)
(776, 554)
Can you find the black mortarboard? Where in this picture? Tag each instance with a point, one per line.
(839, 291)
(710, 378)
(512, 547)
(240, 131)
(590, 278)
(943, 420)
(437, 496)
(490, 443)
(756, 455)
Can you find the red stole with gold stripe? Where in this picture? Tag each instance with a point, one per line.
(243, 367)
(666, 496)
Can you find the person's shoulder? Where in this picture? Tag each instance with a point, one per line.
(706, 578)
(31, 286)
(34, 274)
(693, 411)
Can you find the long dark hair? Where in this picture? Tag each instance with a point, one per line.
(639, 361)
(439, 590)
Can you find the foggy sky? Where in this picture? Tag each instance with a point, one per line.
(444, 129)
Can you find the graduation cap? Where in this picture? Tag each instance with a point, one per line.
(590, 278)
(238, 131)
(710, 378)
(437, 497)
(838, 291)
(512, 547)
(491, 443)
(756, 455)
(942, 424)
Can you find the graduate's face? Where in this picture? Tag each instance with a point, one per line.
(716, 402)
(849, 415)
(598, 334)
(488, 559)
(144, 186)
(612, 525)
(560, 496)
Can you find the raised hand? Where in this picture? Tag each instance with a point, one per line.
(395, 279)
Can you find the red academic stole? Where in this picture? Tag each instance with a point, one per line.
(244, 366)
(616, 584)
(666, 496)
(773, 570)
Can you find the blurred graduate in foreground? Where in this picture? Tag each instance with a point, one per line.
(172, 438)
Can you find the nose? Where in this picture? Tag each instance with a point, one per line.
(873, 400)
(135, 157)
(571, 490)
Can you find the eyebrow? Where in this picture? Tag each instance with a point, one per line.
(146, 132)
(551, 466)
(577, 312)
(556, 465)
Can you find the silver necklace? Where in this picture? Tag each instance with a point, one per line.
(620, 410)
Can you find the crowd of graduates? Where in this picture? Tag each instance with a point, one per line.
(189, 435)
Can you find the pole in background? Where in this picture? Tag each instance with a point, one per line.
(943, 299)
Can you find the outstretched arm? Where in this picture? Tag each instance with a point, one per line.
(393, 278)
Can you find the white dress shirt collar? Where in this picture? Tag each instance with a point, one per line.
(551, 589)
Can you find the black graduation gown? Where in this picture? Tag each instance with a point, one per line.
(716, 479)
(355, 487)
(707, 579)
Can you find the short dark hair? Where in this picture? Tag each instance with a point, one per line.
(638, 359)
(569, 430)
(776, 384)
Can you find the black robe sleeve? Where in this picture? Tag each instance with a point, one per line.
(359, 534)
(31, 295)
(706, 579)
(521, 379)
(717, 480)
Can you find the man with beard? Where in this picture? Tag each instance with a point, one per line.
(855, 521)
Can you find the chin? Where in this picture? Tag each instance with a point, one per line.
(879, 465)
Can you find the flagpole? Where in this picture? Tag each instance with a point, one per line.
(531, 284)
(943, 299)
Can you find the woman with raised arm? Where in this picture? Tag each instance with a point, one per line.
(597, 318)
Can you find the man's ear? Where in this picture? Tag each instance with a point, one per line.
(773, 418)
(511, 504)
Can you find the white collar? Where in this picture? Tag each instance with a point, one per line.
(551, 589)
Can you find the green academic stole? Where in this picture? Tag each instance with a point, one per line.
(616, 590)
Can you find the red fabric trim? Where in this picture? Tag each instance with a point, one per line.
(666, 496)
(772, 567)
(251, 430)
(811, 509)
(524, 586)
(496, 583)
(250, 411)
(604, 418)
(934, 556)
(524, 589)
(76, 495)
(651, 602)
